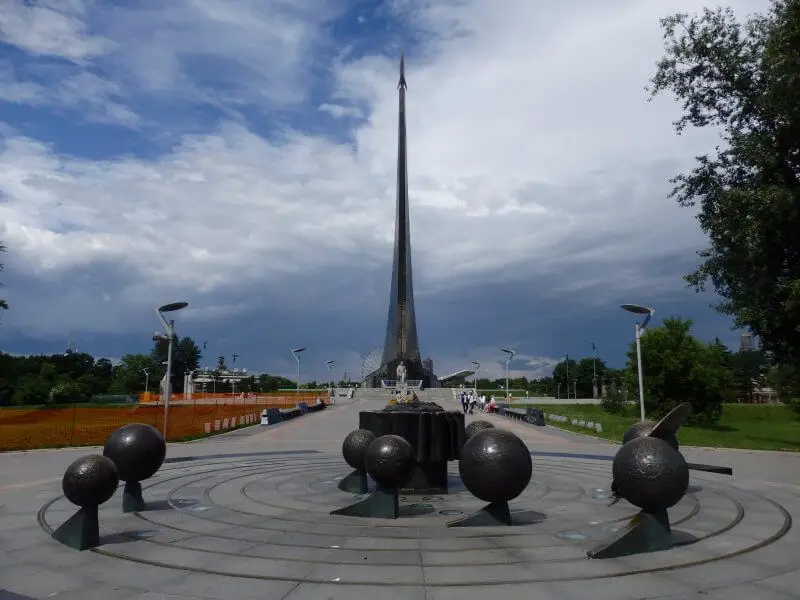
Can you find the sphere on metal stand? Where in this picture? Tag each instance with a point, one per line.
(90, 480)
(354, 448)
(495, 467)
(87, 482)
(475, 427)
(650, 474)
(138, 450)
(390, 461)
(354, 451)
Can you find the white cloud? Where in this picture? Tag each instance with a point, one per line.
(339, 111)
(223, 53)
(534, 156)
(99, 100)
(55, 28)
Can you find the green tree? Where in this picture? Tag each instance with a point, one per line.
(587, 368)
(129, 376)
(679, 368)
(785, 380)
(744, 79)
(564, 375)
(749, 369)
(185, 357)
(67, 392)
(102, 375)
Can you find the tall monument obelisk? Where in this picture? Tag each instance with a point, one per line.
(401, 343)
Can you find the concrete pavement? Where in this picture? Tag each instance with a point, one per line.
(248, 517)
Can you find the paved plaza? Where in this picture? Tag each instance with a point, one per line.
(245, 515)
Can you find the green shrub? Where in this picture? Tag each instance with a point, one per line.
(67, 393)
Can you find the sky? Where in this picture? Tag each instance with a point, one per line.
(240, 155)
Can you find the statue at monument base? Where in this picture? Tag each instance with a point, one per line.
(402, 373)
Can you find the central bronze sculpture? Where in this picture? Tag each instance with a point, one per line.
(436, 437)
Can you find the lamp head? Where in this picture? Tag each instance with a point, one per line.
(172, 307)
(509, 353)
(637, 309)
(297, 350)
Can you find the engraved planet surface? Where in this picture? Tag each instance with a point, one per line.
(90, 480)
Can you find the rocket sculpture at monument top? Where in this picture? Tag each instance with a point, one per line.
(401, 343)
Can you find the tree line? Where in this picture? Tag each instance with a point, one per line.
(77, 377)
(677, 367)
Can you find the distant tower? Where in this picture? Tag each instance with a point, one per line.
(747, 342)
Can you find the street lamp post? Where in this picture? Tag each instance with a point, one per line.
(639, 329)
(296, 353)
(594, 370)
(169, 327)
(146, 381)
(477, 366)
(330, 364)
(509, 356)
(566, 357)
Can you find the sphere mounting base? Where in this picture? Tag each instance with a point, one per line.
(427, 478)
(132, 500)
(355, 483)
(383, 503)
(646, 532)
(81, 531)
(491, 515)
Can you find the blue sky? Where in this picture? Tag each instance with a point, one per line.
(240, 154)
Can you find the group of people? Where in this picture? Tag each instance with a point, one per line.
(470, 399)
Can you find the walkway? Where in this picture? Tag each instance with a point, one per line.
(249, 518)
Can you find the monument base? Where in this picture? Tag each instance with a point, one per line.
(81, 531)
(355, 483)
(493, 514)
(380, 504)
(646, 532)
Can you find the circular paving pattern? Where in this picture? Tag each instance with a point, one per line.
(267, 517)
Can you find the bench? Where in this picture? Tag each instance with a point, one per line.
(534, 416)
(270, 416)
(290, 413)
(518, 414)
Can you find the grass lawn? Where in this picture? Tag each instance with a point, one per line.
(744, 426)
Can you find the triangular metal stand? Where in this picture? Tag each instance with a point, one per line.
(81, 531)
(355, 483)
(132, 500)
(646, 532)
(494, 513)
(381, 504)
